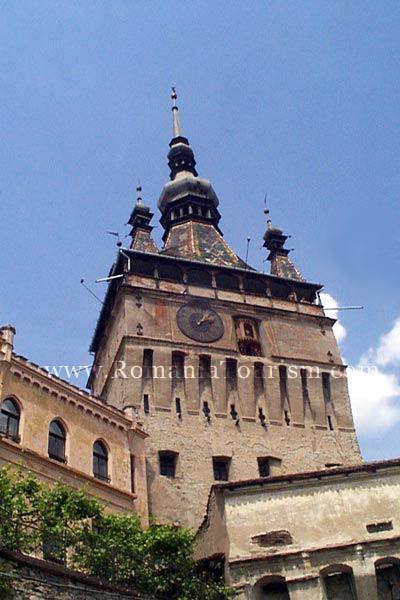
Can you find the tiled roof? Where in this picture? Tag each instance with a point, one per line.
(143, 241)
(282, 266)
(201, 242)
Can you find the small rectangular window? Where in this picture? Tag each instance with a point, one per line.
(221, 469)
(263, 467)
(167, 464)
(146, 406)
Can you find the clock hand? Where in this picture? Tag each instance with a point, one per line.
(205, 318)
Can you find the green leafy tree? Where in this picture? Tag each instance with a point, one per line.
(156, 561)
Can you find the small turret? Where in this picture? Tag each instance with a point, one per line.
(141, 229)
(274, 241)
(7, 333)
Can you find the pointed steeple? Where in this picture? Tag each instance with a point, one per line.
(176, 126)
(180, 157)
(141, 229)
(188, 206)
(274, 240)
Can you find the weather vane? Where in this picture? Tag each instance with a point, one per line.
(174, 95)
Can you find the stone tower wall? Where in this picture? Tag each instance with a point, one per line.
(296, 434)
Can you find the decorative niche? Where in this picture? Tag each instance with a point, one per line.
(247, 336)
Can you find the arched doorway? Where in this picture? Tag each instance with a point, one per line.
(388, 579)
(338, 581)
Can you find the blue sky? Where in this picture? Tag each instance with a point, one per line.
(299, 99)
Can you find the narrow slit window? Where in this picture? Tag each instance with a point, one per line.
(205, 368)
(231, 372)
(146, 405)
(206, 411)
(178, 365)
(178, 407)
(147, 363)
(326, 387)
(283, 382)
(133, 473)
(304, 384)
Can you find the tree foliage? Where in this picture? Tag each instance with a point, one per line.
(60, 521)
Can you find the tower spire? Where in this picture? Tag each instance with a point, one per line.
(176, 126)
(180, 157)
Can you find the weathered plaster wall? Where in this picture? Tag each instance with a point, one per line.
(300, 529)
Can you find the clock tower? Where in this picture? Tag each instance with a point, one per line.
(234, 374)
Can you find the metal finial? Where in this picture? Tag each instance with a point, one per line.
(139, 194)
(174, 97)
(176, 126)
(266, 212)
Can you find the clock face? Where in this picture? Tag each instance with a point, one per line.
(199, 322)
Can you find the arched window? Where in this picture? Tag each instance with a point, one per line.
(339, 583)
(9, 419)
(247, 337)
(271, 588)
(57, 437)
(248, 330)
(100, 461)
(388, 578)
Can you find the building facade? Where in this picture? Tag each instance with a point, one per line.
(332, 534)
(232, 372)
(209, 375)
(59, 432)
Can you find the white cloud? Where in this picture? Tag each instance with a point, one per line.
(375, 399)
(339, 330)
(388, 350)
(375, 389)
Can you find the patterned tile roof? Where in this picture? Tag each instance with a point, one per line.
(143, 241)
(282, 266)
(202, 242)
